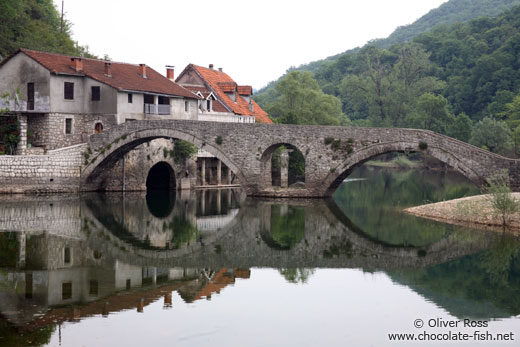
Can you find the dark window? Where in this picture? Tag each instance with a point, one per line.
(69, 90)
(66, 255)
(130, 98)
(96, 93)
(68, 125)
(128, 284)
(149, 99)
(93, 288)
(66, 291)
(186, 106)
(163, 100)
(28, 286)
(30, 96)
(98, 128)
(208, 105)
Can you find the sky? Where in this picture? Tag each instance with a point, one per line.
(255, 42)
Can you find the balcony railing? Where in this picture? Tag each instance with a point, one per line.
(157, 109)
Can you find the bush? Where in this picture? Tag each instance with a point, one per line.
(219, 140)
(423, 145)
(328, 140)
(503, 203)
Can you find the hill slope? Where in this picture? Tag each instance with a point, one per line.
(448, 13)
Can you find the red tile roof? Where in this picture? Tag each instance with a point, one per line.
(122, 76)
(217, 80)
(245, 90)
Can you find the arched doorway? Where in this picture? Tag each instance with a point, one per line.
(161, 177)
(98, 128)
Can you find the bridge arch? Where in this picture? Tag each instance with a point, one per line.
(334, 179)
(108, 148)
(266, 162)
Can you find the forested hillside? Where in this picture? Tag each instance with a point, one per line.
(35, 24)
(461, 80)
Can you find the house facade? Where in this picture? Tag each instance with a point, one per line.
(221, 98)
(64, 99)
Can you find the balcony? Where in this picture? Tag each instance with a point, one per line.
(157, 109)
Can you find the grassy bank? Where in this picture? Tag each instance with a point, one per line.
(470, 211)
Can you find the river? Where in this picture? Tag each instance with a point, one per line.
(216, 268)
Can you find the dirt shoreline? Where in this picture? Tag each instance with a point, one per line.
(475, 211)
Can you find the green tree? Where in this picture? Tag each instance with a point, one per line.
(492, 134)
(301, 101)
(35, 24)
(461, 128)
(511, 114)
(432, 114)
(503, 203)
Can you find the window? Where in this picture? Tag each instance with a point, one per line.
(96, 93)
(208, 105)
(30, 96)
(93, 288)
(186, 106)
(128, 284)
(66, 291)
(130, 98)
(98, 128)
(68, 125)
(69, 91)
(66, 255)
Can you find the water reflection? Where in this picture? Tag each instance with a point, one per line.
(64, 258)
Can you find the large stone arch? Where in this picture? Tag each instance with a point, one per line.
(334, 179)
(106, 153)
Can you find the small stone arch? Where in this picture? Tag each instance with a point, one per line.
(334, 180)
(266, 165)
(161, 177)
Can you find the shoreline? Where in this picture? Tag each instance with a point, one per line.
(473, 211)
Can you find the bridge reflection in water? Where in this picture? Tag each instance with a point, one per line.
(68, 257)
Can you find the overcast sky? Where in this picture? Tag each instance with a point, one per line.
(255, 42)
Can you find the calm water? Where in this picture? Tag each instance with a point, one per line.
(214, 268)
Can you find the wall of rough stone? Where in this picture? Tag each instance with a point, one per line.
(49, 129)
(57, 171)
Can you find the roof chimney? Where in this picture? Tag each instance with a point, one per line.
(107, 69)
(211, 66)
(77, 64)
(170, 72)
(220, 69)
(142, 70)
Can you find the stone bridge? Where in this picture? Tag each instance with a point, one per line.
(330, 152)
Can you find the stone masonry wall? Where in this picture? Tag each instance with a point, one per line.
(57, 171)
(49, 129)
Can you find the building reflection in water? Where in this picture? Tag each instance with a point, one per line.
(68, 257)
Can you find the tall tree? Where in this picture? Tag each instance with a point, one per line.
(300, 101)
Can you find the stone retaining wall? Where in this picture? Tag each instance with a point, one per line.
(57, 171)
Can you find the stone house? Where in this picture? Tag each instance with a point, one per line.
(222, 99)
(62, 99)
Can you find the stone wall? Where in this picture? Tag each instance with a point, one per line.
(49, 129)
(57, 171)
